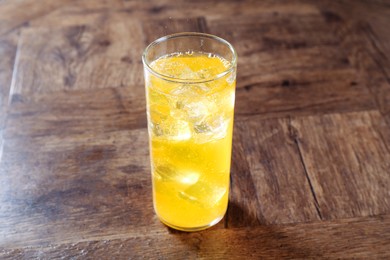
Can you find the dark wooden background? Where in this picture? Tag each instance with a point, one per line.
(311, 153)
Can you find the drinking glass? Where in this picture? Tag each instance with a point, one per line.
(190, 91)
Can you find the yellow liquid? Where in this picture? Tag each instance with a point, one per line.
(190, 128)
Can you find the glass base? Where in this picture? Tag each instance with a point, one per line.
(191, 229)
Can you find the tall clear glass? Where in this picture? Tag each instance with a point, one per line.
(190, 83)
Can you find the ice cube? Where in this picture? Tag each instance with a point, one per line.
(212, 128)
(191, 103)
(187, 74)
(173, 69)
(170, 173)
(201, 128)
(206, 73)
(172, 129)
(196, 109)
(156, 116)
(178, 130)
(204, 194)
(189, 178)
(190, 90)
(189, 185)
(155, 129)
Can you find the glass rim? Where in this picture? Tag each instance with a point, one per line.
(231, 67)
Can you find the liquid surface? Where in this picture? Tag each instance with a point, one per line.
(190, 128)
(190, 66)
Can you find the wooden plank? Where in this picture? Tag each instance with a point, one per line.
(374, 13)
(187, 9)
(379, 70)
(71, 16)
(302, 93)
(80, 12)
(361, 47)
(359, 238)
(64, 189)
(365, 39)
(347, 160)
(8, 47)
(254, 34)
(280, 43)
(292, 65)
(381, 34)
(8, 50)
(76, 112)
(282, 193)
(106, 54)
(156, 28)
(243, 208)
(165, 11)
(13, 14)
(93, 6)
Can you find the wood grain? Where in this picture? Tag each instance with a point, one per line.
(311, 148)
(214, 8)
(73, 187)
(375, 14)
(282, 193)
(292, 65)
(156, 28)
(368, 58)
(347, 160)
(76, 112)
(366, 37)
(80, 13)
(8, 49)
(359, 238)
(14, 13)
(380, 64)
(79, 57)
(8, 46)
(243, 208)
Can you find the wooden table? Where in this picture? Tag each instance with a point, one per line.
(310, 173)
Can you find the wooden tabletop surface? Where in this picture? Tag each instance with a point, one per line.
(310, 173)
